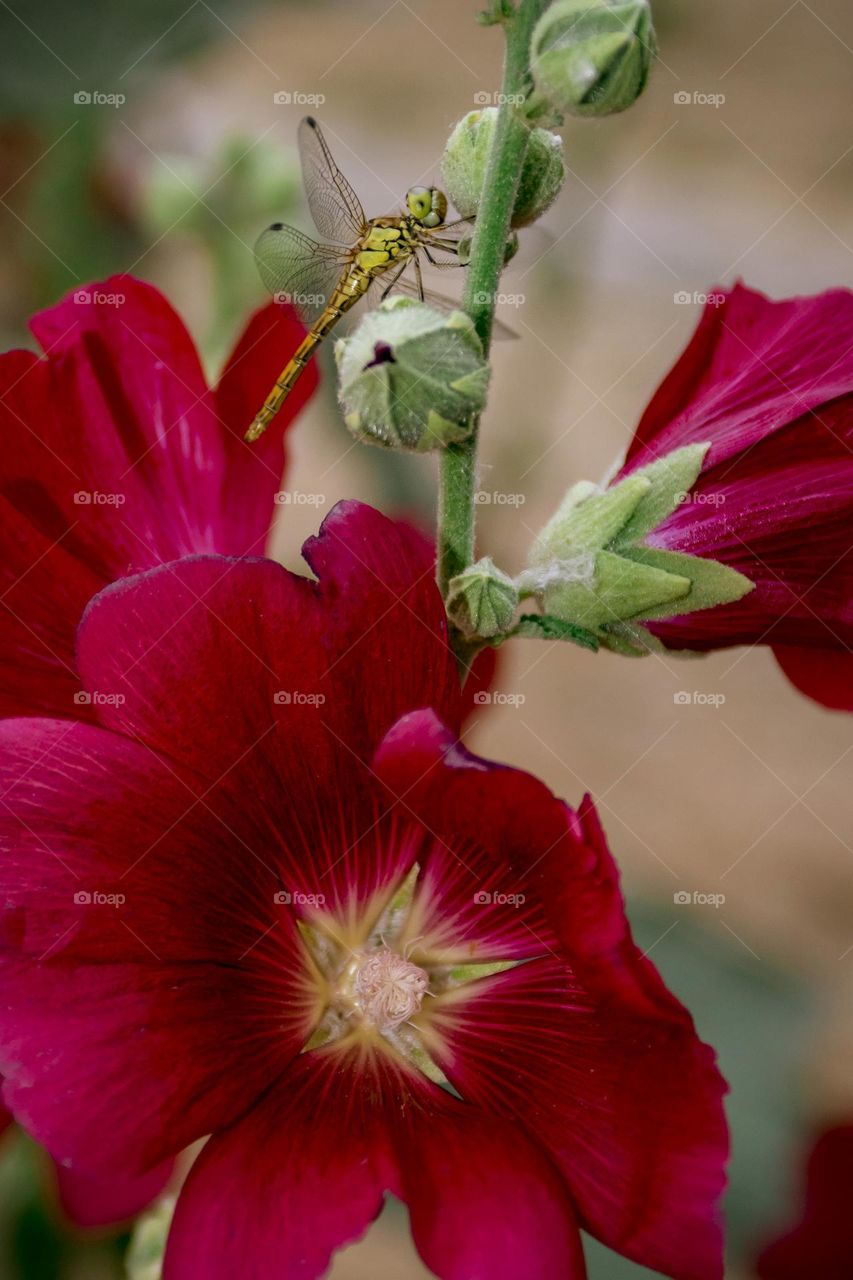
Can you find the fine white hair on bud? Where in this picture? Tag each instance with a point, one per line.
(389, 989)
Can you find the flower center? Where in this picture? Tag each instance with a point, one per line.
(385, 988)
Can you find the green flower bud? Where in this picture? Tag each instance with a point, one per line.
(592, 57)
(463, 168)
(590, 567)
(412, 378)
(482, 600)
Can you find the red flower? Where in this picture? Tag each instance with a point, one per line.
(770, 386)
(118, 457)
(821, 1245)
(227, 913)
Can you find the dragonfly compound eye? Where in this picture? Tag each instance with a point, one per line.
(427, 205)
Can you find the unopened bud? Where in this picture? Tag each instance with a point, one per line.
(463, 168)
(412, 378)
(592, 57)
(591, 567)
(482, 600)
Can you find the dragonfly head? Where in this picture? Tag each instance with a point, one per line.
(427, 205)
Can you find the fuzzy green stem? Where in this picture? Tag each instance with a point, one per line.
(458, 476)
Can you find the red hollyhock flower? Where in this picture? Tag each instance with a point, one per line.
(117, 457)
(407, 969)
(770, 386)
(821, 1245)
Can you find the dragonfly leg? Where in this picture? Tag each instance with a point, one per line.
(393, 281)
(419, 277)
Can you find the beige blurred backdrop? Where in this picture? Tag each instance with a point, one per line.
(749, 797)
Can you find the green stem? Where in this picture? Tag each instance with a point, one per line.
(458, 475)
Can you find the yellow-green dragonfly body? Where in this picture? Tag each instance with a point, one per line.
(324, 281)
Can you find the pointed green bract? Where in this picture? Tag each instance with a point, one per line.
(711, 583)
(670, 478)
(620, 588)
(588, 519)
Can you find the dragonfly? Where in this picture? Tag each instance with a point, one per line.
(323, 281)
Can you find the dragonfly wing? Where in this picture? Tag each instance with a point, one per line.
(335, 207)
(408, 286)
(297, 269)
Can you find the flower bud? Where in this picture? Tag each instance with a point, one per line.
(591, 567)
(592, 57)
(482, 600)
(412, 378)
(463, 168)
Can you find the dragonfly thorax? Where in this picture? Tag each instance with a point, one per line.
(427, 205)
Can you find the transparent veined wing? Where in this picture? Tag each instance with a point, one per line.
(297, 269)
(335, 208)
(408, 285)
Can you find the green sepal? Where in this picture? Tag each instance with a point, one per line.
(544, 626)
(588, 519)
(482, 600)
(671, 478)
(711, 583)
(620, 588)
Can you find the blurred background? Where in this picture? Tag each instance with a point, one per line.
(158, 139)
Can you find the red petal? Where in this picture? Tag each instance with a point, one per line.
(253, 471)
(101, 1202)
(752, 367)
(384, 619)
(484, 1200)
(273, 1197)
(823, 674)
(118, 457)
(115, 1067)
